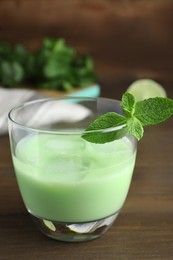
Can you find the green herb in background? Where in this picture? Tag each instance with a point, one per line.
(54, 66)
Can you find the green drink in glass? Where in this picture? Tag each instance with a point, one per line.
(73, 189)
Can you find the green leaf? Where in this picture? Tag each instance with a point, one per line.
(128, 104)
(135, 128)
(100, 131)
(137, 114)
(11, 72)
(48, 43)
(110, 119)
(153, 110)
(52, 69)
(55, 65)
(101, 137)
(17, 72)
(6, 68)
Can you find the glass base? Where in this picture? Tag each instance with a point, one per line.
(74, 232)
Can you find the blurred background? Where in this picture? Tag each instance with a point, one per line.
(127, 39)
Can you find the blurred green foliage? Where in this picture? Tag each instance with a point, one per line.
(54, 66)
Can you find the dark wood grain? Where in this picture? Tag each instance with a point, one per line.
(128, 40)
(134, 38)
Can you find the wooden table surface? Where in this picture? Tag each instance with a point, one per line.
(144, 228)
(128, 40)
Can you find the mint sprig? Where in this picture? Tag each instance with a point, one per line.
(150, 111)
(153, 110)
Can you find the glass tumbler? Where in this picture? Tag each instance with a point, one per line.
(73, 189)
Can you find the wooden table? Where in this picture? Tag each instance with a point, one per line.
(128, 40)
(144, 228)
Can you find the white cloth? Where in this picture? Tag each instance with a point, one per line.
(46, 114)
(54, 112)
(10, 98)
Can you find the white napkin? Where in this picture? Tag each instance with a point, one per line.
(10, 98)
(54, 112)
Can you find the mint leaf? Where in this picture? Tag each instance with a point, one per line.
(106, 121)
(128, 104)
(153, 110)
(135, 128)
(101, 136)
(136, 115)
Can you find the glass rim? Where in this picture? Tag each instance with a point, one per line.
(56, 131)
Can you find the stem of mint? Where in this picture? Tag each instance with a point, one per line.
(135, 115)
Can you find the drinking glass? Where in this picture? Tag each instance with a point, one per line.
(73, 189)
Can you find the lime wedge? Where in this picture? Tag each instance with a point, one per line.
(146, 88)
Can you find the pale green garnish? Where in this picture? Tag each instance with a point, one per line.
(135, 115)
(146, 88)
